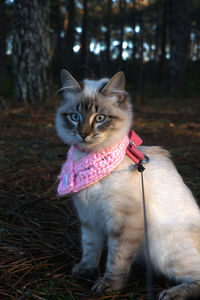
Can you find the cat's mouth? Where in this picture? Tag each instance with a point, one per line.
(86, 142)
(86, 145)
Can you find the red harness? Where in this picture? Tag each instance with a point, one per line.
(132, 151)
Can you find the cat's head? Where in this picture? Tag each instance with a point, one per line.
(96, 115)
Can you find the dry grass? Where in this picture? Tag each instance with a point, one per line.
(40, 233)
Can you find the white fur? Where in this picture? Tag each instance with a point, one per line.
(91, 87)
(172, 212)
(94, 84)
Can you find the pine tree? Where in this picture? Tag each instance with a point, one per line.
(84, 36)
(3, 32)
(31, 50)
(108, 34)
(179, 40)
(70, 32)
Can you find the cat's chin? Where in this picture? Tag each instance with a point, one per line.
(88, 147)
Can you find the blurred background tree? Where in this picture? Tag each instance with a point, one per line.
(155, 42)
(31, 50)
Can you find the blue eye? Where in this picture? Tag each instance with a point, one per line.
(75, 117)
(100, 118)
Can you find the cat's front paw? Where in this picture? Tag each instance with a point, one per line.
(81, 271)
(106, 285)
(101, 285)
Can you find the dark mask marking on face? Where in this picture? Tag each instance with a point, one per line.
(87, 105)
(96, 107)
(85, 127)
(77, 106)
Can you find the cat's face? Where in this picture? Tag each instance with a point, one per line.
(96, 116)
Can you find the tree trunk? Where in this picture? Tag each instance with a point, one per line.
(157, 37)
(135, 45)
(141, 59)
(179, 40)
(58, 46)
(84, 38)
(197, 41)
(163, 41)
(122, 5)
(3, 32)
(70, 32)
(134, 33)
(31, 50)
(107, 35)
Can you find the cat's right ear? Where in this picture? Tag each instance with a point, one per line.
(69, 82)
(116, 83)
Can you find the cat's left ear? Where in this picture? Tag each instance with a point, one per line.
(115, 84)
(69, 82)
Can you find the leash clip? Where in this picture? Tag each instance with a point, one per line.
(146, 159)
(140, 167)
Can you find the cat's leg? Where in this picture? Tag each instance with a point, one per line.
(122, 248)
(183, 266)
(92, 242)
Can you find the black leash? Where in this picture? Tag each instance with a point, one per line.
(138, 157)
(146, 236)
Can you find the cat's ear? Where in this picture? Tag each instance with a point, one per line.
(69, 82)
(116, 83)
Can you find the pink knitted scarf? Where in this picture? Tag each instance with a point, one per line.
(76, 176)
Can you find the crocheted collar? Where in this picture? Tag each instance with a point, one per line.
(78, 175)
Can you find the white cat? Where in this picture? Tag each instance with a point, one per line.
(93, 118)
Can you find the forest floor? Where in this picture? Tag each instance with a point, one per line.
(39, 233)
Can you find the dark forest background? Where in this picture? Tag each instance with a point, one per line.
(155, 42)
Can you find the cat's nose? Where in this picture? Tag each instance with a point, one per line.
(83, 135)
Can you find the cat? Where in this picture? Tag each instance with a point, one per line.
(95, 116)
